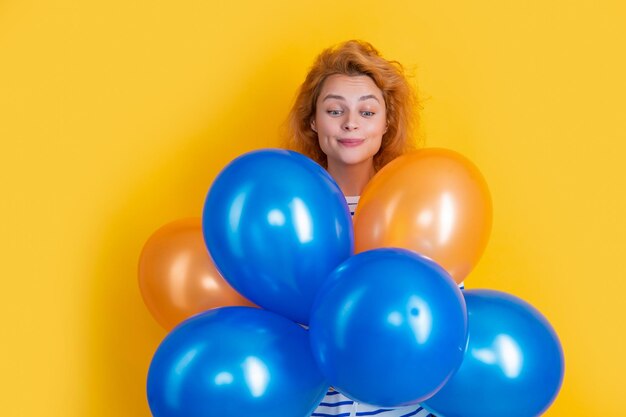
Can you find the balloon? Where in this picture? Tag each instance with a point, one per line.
(235, 362)
(276, 224)
(433, 201)
(388, 328)
(177, 278)
(513, 365)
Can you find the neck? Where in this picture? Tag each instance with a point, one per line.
(352, 179)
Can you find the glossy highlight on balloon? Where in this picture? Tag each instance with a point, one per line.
(276, 224)
(389, 328)
(514, 361)
(432, 201)
(177, 277)
(235, 362)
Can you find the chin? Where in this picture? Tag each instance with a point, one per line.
(355, 161)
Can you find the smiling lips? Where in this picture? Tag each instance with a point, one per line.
(350, 142)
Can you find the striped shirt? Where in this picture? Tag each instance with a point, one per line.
(335, 404)
(352, 202)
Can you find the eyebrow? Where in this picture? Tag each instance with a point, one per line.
(362, 98)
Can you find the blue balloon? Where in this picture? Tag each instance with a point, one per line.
(389, 328)
(235, 362)
(276, 224)
(513, 365)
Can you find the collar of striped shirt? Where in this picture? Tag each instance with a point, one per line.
(352, 202)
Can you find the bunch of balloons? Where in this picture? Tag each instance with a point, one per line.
(277, 294)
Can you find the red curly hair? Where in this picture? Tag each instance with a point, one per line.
(354, 58)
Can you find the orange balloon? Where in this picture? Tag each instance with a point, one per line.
(432, 201)
(177, 277)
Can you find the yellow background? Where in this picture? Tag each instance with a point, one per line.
(115, 116)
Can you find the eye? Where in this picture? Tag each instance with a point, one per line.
(367, 113)
(334, 112)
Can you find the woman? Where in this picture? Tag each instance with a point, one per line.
(321, 118)
(354, 113)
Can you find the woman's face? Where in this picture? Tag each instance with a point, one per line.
(350, 119)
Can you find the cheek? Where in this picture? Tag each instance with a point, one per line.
(379, 138)
(377, 146)
(380, 129)
(324, 126)
(323, 143)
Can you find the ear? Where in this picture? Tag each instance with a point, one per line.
(313, 128)
(386, 127)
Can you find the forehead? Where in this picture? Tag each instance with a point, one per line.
(350, 85)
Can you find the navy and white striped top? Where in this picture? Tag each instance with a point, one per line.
(335, 404)
(352, 202)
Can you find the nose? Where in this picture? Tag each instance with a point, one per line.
(350, 124)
